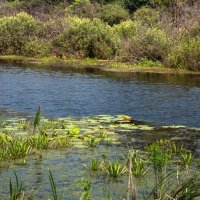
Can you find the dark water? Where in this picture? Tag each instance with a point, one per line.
(161, 99)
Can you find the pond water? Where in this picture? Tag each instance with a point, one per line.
(160, 99)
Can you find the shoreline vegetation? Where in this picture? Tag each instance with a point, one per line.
(133, 35)
(88, 63)
(161, 169)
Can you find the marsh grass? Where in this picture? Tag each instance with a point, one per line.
(91, 142)
(114, 169)
(17, 190)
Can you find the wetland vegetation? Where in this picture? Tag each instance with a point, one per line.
(150, 33)
(108, 132)
(156, 169)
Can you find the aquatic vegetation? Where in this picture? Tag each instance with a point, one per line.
(94, 164)
(53, 186)
(37, 118)
(114, 169)
(17, 149)
(23, 125)
(73, 130)
(186, 159)
(17, 190)
(162, 169)
(39, 142)
(2, 122)
(86, 187)
(61, 142)
(92, 142)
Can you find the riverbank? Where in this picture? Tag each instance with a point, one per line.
(94, 64)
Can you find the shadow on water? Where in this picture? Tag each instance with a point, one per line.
(169, 78)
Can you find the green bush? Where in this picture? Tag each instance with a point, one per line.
(128, 29)
(86, 38)
(36, 47)
(152, 44)
(15, 31)
(186, 55)
(113, 14)
(83, 8)
(147, 16)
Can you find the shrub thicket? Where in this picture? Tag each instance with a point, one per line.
(15, 31)
(113, 14)
(103, 29)
(186, 55)
(86, 38)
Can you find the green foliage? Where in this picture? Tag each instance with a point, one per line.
(134, 5)
(127, 29)
(114, 169)
(83, 8)
(113, 14)
(17, 149)
(37, 47)
(186, 54)
(37, 118)
(86, 38)
(147, 16)
(39, 142)
(15, 31)
(94, 164)
(16, 191)
(151, 43)
(91, 142)
(159, 157)
(53, 186)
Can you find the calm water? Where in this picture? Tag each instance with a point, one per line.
(161, 99)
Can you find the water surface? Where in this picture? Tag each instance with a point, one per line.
(160, 99)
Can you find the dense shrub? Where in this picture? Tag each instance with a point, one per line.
(83, 8)
(128, 29)
(15, 31)
(186, 55)
(35, 47)
(113, 14)
(86, 38)
(153, 44)
(147, 16)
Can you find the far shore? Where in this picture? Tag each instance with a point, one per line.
(93, 64)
